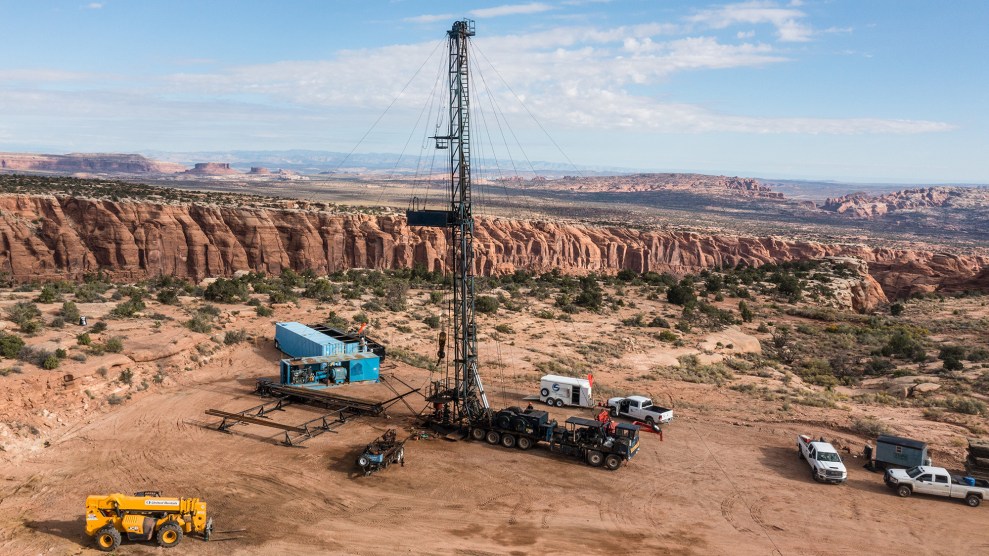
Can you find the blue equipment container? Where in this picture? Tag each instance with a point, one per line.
(299, 340)
(332, 370)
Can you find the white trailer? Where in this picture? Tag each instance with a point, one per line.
(565, 390)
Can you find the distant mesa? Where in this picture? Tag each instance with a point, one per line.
(90, 163)
(627, 183)
(259, 171)
(212, 169)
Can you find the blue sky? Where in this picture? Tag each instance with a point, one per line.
(819, 89)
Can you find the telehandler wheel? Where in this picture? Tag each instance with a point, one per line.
(493, 437)
(477, 433)
(169, 535)
(595, 458)
(612, 462)
(973, 500)
(524, 443)
(904, 491)
(508, 441)
(107, 539)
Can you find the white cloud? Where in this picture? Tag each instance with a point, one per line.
(94, 5)
(511, 9)
(786, 20)
(745, 34)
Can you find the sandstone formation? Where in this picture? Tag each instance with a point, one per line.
(212, 169)
(259, 171)
(88, 163)
(45, 237)
(861, 205)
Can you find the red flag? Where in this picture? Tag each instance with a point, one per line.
(590, 379)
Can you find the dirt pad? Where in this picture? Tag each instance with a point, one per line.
(715, 485)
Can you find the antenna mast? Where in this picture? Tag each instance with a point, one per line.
(464, 392)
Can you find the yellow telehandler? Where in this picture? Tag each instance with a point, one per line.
(144, 516)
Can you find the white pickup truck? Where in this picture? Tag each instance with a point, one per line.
(825, 463)
(937, 481)
(640, 408)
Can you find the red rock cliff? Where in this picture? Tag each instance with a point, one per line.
(48, 237)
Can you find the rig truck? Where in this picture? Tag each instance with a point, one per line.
(608, 444)
(144, 516)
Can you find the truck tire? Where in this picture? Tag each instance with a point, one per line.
(559, 402)
(595, 458)
(493, 437)
(614, 411)
(973, 500)
(904, 491)
(524, 443)
(651, 422)
(800, 453)
(612, 462)
(813, 475)
(508, 441)
(477, 433)
(363, 462)
(544, 392)
(169, 535)
(107, 539)
(549, 402)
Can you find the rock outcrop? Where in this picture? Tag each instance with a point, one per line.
(212, 169)
(861, 205)
(43, 237)
(87, 163)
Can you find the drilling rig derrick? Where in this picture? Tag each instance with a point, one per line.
(458, 399)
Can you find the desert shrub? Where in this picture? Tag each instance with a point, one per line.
(320, 289)
(432, 321)
(114, 399)
(486, 304)
(234, 337)
(396, 296)
(226, 291)
(681, 294)
(84, 339)
(126, 376)
(333, 320)
(23, 313)
(114, 345)
(870, 426)
(505, 329)
(98, 327)
(747, 313)
(69, 312)
(978, 355)
(637, 320)
(667, 336)
(658, 322)
(360, 318)
(200, 323)
(896, 309)
(10, 345)
(128, 308)
(436, 297)
(263, 311)
(168, 296)
(50, 362)
(902, 343)
(965, 404)
(545, 314)
(817, 372)
(691, 370)
(879, 366)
